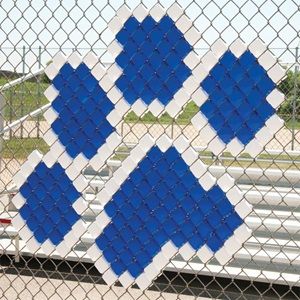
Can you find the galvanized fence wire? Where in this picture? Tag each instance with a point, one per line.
(265, 266)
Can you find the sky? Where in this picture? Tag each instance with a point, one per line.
(68, 24)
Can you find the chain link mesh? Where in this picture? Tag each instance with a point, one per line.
(267, 265)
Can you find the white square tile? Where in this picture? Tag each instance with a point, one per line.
(140, 13)
(126, 280)
(181, 144)
(173, 108)
(109, 277)
(235, 147)
(114, 118)
(80, 206)
(123, 13)
(114, 95)
(114, 49)
(276, 73)
(175, 11)
(93, 252)
(164, 143)
(257, 47)
(199, 121)
(205, 254)
(74, 60)
(90, 59)
(114, 72)
(264, 136)
(157, 12)
(18, 222)
(207, 181)
(198, 169)
(275, 98)
(200, 72)
(254, 148)
(234, 195)
(243, 208)
(51, 71)
(18, 200)
(98, 71)
(50, 115)
(51, 93)
(115, 24)
(102, 265)
(190, 156)
(184, 23)
(187, 252)
(223, 256)
(238, 48)
(209, 60)
(274, 123)
(226, 182)
(192, 36)
(139, 107)
(156, 107)
(216, 145)
(106, 83)
(59, 60)
(267, 60)
(192, 60)
(191, 84)
(219, 48)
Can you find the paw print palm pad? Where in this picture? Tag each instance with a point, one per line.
(167, 203)
(163, 201)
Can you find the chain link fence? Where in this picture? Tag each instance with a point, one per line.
(266, 265)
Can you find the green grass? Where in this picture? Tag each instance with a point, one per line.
(23, 98)
(183, 119)
(21, 148)
(28, 96)
(289, 124)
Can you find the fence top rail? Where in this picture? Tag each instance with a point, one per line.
(21, 79)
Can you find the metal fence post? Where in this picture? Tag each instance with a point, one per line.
(294, 111)
(2, 104)
(39, 91)
(22, 91)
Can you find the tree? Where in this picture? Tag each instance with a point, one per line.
(288, 87)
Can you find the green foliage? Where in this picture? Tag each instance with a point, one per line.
(23, 98)
(21, 148)
(288, 87)
(184, 118)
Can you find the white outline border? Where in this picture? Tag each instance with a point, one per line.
(206, 180)
(275, 98)
(190, 33)
(77, 230)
